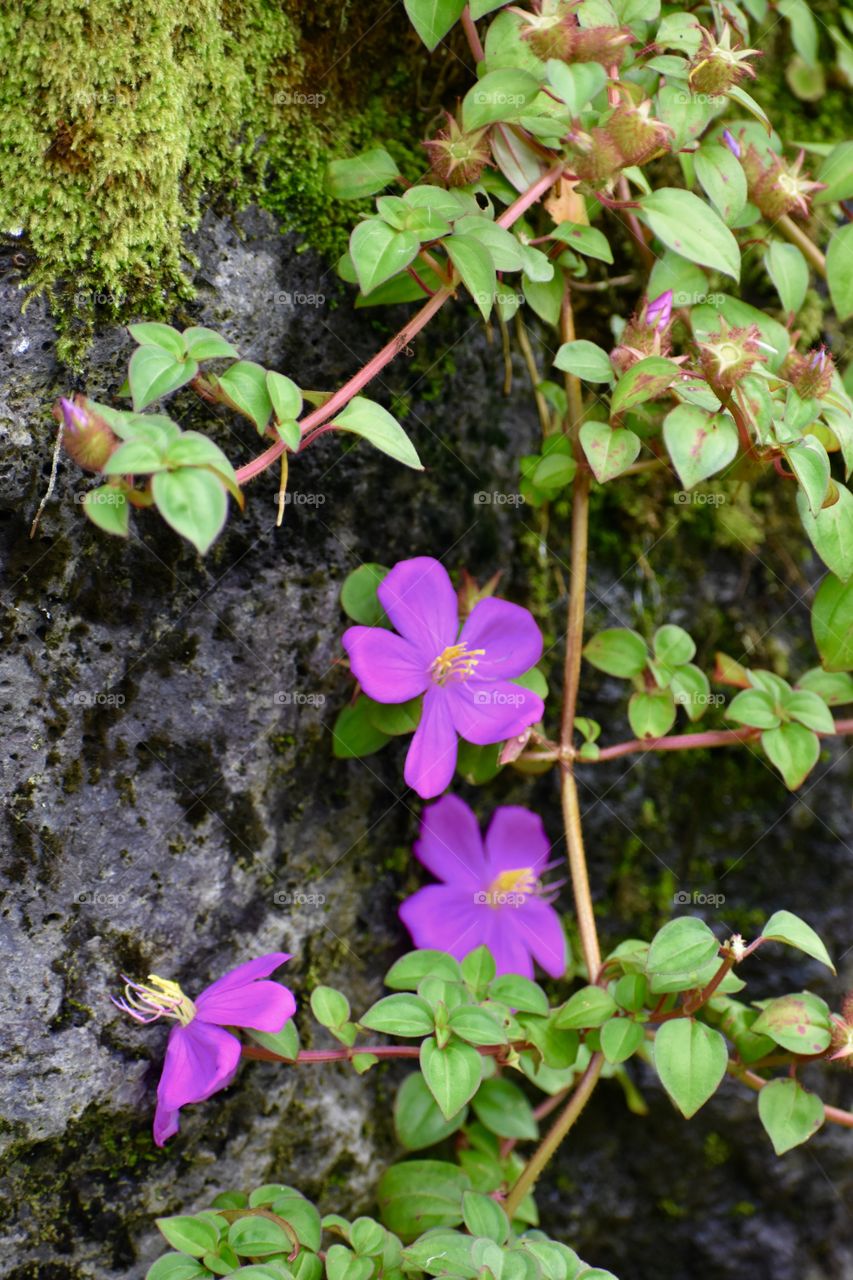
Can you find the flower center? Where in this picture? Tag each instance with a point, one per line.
(456, 662)
(511, 888)
(160, 999)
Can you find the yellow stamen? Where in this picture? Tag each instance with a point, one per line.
(162, 998)
(456, 662)
(510, 888)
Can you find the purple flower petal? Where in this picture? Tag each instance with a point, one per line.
(260, 967)
(504, 940)
(200, 1059)
(388, 668)
(445, 918)
(516, 838)
(538, 928)
(419, 599)
(432, 751)
(492, 711)
(450, 845)
(165, 1123)
(263, 1006)
(509, 635)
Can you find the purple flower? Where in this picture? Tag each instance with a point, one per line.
(464, 677)
(731, 142)
(201, 1056)
(659, 311)
(491, 892)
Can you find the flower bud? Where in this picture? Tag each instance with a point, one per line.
(553, 36)
(600, 159)
(86, 436)
(811, 374)
(718, 67)
(775, 187)
(730, 354)
(636, 133)
(457, 158)
(842, 1036)
(645, 334)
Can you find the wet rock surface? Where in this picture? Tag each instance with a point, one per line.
(171, 804)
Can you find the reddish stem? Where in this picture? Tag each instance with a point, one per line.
(398, 343)
(696, 741)
(346, 1054)
(472, 35)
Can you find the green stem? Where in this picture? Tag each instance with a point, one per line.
(555, 1135)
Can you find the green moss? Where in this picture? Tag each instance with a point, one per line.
(122, 119)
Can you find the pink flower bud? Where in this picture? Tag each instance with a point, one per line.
(86, 436)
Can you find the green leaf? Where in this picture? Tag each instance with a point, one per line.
(505, 94)
(134, 457)
(378, 252)
(174, 1266)
(369, 420)
(837, 172)
(502, 1107)
(330, 1007)
(839, 271)
(285, 397)
(484, 1217)
(417, 1119)
(784, 926)
(401, 1015)
(589, 1007)
(108, 508)
(651, 713)
(411, 969)
(799, 1023)
(244, 386)
(421, 1194)
(479, 968)
(343, 1264)
(699, 443)
(687, 225)
(691, 690)
(608, 450)
(790, 1114)
(354, 733)
(681, 947)
(476, 1026)
(256, 1237)
(809, 709)
(150, 334)
(589, 241)
(789, 271)
(362, 175)
(368, 1238)
(754, 707)
(519, 993)
(835, 687)
(205, 344)
(397, 718)
(359, 600)
(432, 19)
(691, 1060)
(189, 1235)
(673, 645)
(832, 623)
(644, 381)
(453, 1073)
(476, 269)
(810, 463)
(620, 1039)
(443, 1253)
(618, 652)
(831, 531)
(153, 373)
(585, 360)
(794, 750)
(193, 502)
(285, 1042)
(578, 84)
(723, 179)
(503, 248)
(192, 449)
